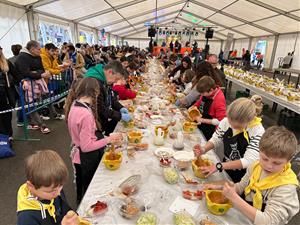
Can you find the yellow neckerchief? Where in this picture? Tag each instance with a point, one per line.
(256, 121)
(28, 202)
(287, 176)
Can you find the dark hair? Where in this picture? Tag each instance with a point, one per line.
(205, 84)
(205, 69)
(115, 66)
(32, 44)
(65, 43)
(132, 66)
(16, 49)
(50, 46)
(123, 59)
(188, 61)
(77, 45)
(71, 47)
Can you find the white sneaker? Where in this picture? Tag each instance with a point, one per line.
(45, 117)
(60, 117)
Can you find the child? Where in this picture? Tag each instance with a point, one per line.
(120, 88)
(85, 132)
(239, 133)
(269, 188)
(41, 199)
(187, 77)
(212, 106)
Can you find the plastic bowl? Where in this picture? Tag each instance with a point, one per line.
(148, 218)
(216, 203)
(131, 185)
(191, 191)
(129, 209)
(189, 127)
(134, 137)
(196, 168)
(112, 164)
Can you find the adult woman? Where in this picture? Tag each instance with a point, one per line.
(8, 79)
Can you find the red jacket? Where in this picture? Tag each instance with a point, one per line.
(123, 92)
(217, 109)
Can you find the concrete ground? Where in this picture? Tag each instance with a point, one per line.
(12, 169)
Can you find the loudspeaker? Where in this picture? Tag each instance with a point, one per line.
(151, 32)
(209, 33)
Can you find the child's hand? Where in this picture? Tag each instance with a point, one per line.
(70, 219)
(199, 119)
(213, 187)
(115, 137)
(229, 190)
(208, 170)
(198, 150)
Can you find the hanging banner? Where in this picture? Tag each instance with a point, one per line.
(228, 43)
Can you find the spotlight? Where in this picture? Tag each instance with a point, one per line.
(179, 33)
(166, 28)
(175, 32)
(194, 28)
(170, 32)
(157, 28)
(192, 33)
(196, 33)
(167, 32)
(187, 33)
(160, 31)
(183, 32)
(203, 29)
(164, 32)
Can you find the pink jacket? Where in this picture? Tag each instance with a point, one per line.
(39, 87)
(82, 128)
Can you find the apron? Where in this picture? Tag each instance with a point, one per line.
(234, 149)
(89, 160)
(207, 129)
(251, 203)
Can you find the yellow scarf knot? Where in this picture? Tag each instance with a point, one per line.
(287, 176)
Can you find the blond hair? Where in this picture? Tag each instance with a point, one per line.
(46, 168)
(3, 63)
(257, 99)
(241, 110)
(279, 142)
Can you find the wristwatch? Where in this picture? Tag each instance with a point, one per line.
(219, 167)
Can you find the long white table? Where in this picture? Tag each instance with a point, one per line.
(280, 100)
(154, 191)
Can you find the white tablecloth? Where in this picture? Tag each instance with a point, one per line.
(154, 191)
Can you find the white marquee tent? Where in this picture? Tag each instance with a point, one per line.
(276, 22)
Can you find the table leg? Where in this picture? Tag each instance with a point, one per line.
(274, 108)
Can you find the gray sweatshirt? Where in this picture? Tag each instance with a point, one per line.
(282, 202)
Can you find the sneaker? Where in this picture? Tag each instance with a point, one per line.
(32, 127)
(60, 117)
(45, 130)
(45, 117)
(20, 124)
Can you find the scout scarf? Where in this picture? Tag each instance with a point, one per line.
(256, 121)
(28, 202)
(287, 176)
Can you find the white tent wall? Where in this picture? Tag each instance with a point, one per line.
(286, 44)
(132, 42)
(19, 34)
(240, 44)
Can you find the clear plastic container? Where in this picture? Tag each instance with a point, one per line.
(204, 219)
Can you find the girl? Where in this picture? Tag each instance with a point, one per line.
(212, 105)
(239, 133)
(187, 80)
(186, 63)
(85, 131)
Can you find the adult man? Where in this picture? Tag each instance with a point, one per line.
(29, 65)
(109, 109)
(213, 60)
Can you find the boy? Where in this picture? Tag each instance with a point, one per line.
(40, 199)
(268, 189)
(123, 92)
(212, 105)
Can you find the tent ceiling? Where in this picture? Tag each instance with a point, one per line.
(244, 18)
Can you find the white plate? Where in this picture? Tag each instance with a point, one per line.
(181, 204)
(183, 156)
(162, 151)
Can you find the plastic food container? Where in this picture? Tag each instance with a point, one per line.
(191, 191)
(112, 163)
(147, 218)
(189, 127)
(207, 219)
(129, 209)
(196, 169)
(163, 128)
(216, 203)
(131, 185)
(134, 137)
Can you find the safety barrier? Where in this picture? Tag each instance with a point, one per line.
(37, 94)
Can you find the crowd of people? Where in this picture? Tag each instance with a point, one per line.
(257, 161)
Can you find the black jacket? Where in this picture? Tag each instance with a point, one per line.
(29, 66)
(108, 105)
